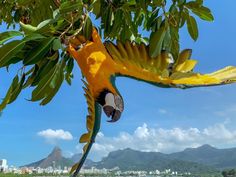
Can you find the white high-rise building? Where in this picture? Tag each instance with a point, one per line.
(3, 165)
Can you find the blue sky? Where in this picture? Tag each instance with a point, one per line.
(154, 119)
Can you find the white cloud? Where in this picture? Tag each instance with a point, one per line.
(228, 112)
(162, 111)
(53, 135)
(145, 138)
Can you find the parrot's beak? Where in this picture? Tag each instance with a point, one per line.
(113, 107)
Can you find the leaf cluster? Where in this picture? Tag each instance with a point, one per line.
(120, 19)
(44, 29)
(228, 172)
(44, 65)
(162, 19)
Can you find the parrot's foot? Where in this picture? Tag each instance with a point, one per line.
(113, 106)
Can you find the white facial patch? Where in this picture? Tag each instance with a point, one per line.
(109, 100)
(114, 101)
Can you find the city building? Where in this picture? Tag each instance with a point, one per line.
(3, 165)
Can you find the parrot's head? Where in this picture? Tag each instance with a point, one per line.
(112, 104)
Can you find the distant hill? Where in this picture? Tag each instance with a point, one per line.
(56, 159)
(208, 155)
(129, 159)
(76, 157)
(204, 159)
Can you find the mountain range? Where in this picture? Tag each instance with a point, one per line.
(55, 159)
(203, 159)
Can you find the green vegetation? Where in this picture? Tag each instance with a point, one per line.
(29, 175)
(229, 173)
(45, 27)
(110, 175)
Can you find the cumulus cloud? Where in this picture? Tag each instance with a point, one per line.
(228, 112)
(162, 111)
(146, 138)
(53, 135)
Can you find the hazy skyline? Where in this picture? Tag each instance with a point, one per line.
(154, 119)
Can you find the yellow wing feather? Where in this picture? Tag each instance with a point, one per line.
(136, 63)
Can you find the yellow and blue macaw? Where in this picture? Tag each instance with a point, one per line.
(102, 63)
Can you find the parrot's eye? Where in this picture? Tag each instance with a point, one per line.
(113, 106)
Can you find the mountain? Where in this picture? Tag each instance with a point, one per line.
(204, 159)
(54, 159)
(208, 155)
(76, 157)
(129, 159)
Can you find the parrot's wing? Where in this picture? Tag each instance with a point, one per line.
(134, 61)
(93, 125)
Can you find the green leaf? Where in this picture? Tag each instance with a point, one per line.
(8, 95)
(203, 13)
(56, 44)
(70, 6)
(53, 92)
(13, 60)
(24, 2)
(158, 2)
(167, 40)
(151, 20)
(17, 90)
(27, 29)
(181, 2)
(41, 90)
(108, 21)
(54, 85)
(5, 36)
(200, 2)
(13, 91)
(56, 13)
(70, 65)
(44, 23)
(55, 56)
(97, 8)
(9, 50)
(192, 27)
(192, 4)
(43, 69)
(34, 36)
(45, 26)
(156, 41)
(39, 51)
(183, 19)
(87, 28)
(69, 68)
(174, 42)
(59, 73)
(49, 84)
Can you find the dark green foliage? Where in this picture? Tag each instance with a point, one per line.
(229, 173)
(45, 27)
(219, 158)
(119, 19)
(204, 159)
(150, 161)
(44, 67)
